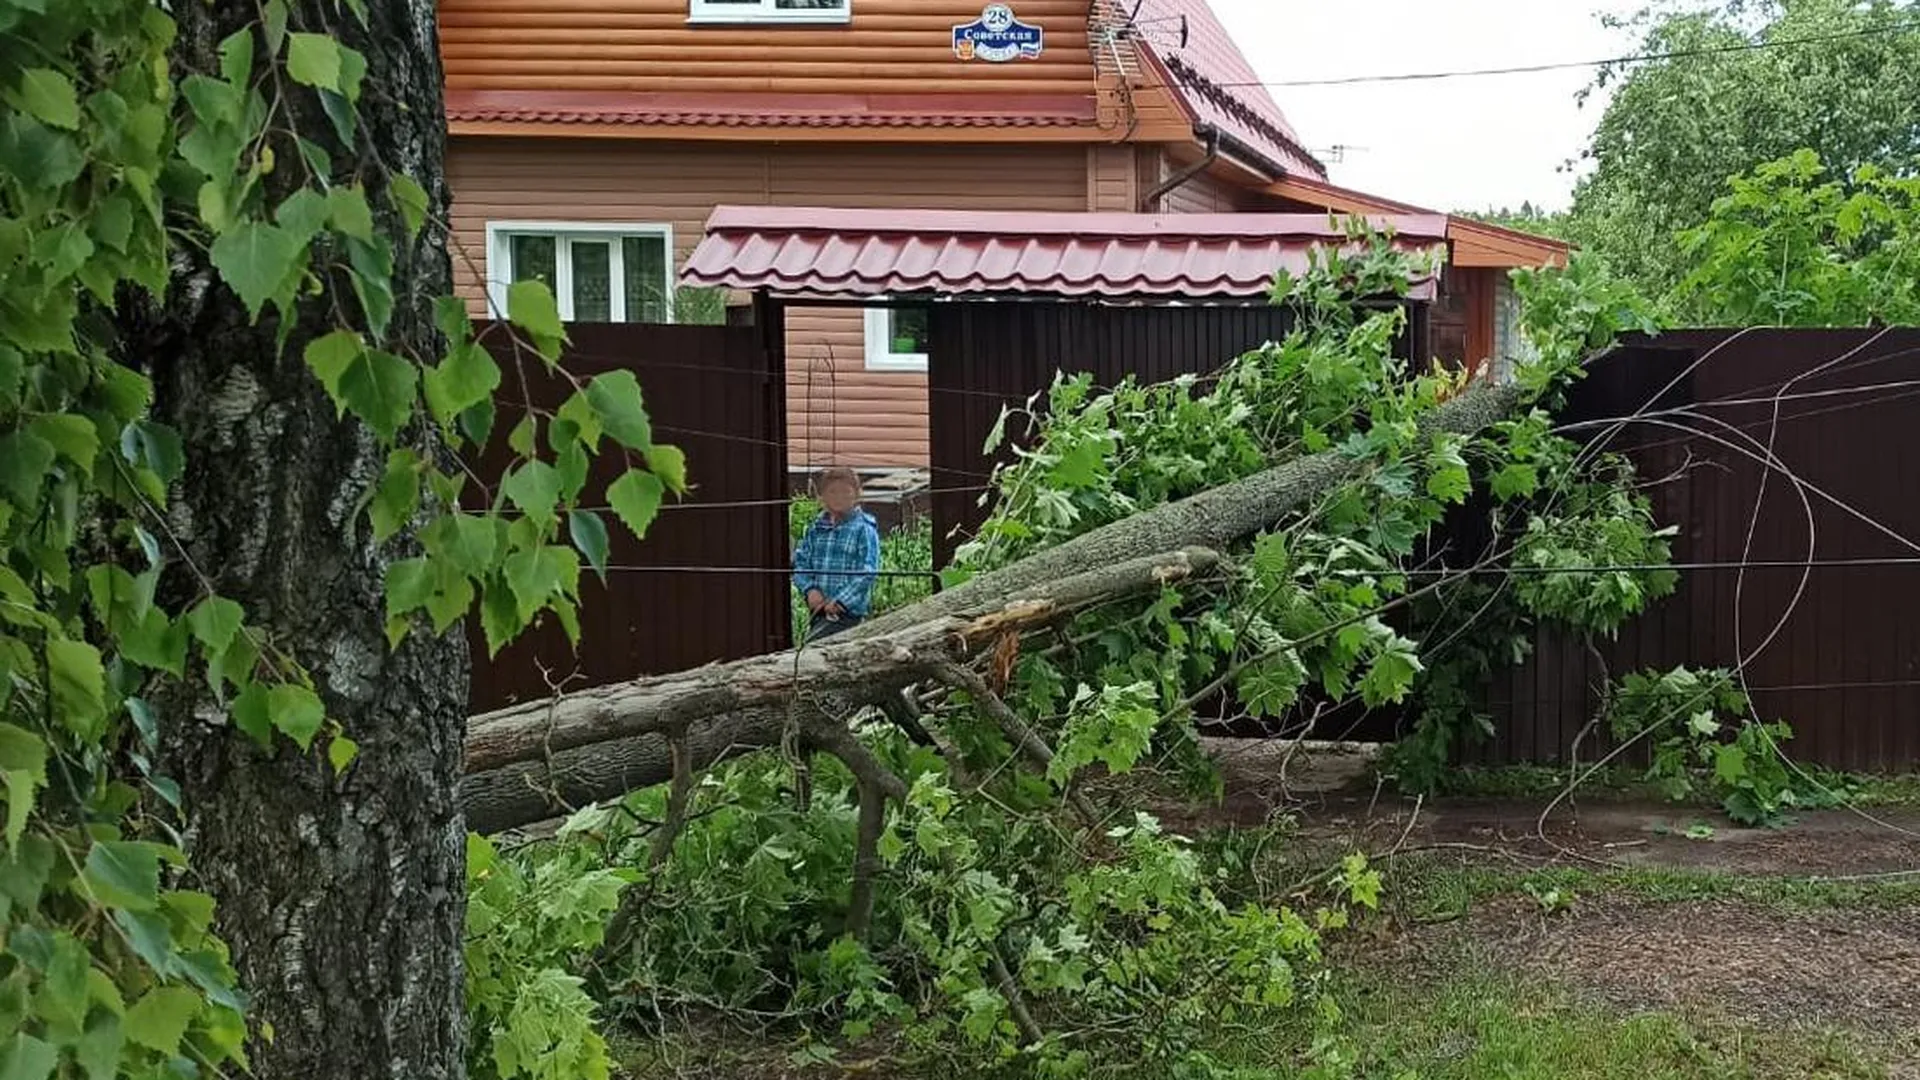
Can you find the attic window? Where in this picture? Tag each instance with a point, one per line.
(772, 11)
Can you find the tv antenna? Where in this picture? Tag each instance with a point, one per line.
(1161, 29)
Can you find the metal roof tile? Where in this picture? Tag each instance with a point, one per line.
(1212, 75)
(769, 110)
(810, 252)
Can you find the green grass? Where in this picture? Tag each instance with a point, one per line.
(1885, 790)
(1468, 1025)
(1544, 782)
(1445, 1014)
(1437, 890)
(1454, 1021)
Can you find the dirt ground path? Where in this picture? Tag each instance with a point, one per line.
(1740, 961)
(1331, 799)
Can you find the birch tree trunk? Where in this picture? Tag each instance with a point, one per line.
(342, 897)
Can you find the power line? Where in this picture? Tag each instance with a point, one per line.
(1567, 65)
(1748, 688)
(1437, 572)
(748, 504)
(1729, 564)
(770, 571)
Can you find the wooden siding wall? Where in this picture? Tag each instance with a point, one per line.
(838, 411)
(627, 46)
(1202, 194)
(1477, 285)
(1113, 178)
(1448, 320)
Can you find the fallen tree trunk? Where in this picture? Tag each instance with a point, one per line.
(1216, 518)
(853, 671)
(535, 791)
(531, 762)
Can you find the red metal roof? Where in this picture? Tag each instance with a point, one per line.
(808, 252)
(770, 110)
(1476, 243)
(1218, 86)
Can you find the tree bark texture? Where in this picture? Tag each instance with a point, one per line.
(531, 762)
(342, 897)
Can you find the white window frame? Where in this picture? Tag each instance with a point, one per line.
(880, 354)
(764, 11)
(500, 275)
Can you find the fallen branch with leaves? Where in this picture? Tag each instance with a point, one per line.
(531, 762)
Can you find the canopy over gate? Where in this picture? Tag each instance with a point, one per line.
(812, 253)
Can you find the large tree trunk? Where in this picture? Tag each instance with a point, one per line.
(342, 897)
(534, 761)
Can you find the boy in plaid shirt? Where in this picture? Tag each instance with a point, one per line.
(837, 560)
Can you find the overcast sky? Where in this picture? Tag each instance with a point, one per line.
(1454, 144)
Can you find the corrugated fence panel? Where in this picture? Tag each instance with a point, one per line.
(1832, 649)
(986, 356)
(715, 392)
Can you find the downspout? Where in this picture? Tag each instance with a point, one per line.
(1151, 199)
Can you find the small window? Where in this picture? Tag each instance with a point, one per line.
(1511, 345)
(598, 273)
(896, 339)
(788, 11)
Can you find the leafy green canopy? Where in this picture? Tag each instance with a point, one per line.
(1676, 129)
(111, 163)
(1789, 246)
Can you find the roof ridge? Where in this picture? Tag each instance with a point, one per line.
(1201, 61)
(1082, 224)
(1237, 107)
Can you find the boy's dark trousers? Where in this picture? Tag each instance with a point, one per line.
(822, 627)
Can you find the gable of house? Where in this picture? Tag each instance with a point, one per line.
(736, 69)
(1213, 80)
(1110, 71)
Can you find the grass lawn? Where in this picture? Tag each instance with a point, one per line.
(1473, 1024)
(1497, 971)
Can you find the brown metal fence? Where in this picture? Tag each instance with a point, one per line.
(1830, 536)
(989, 355)
(718, 393)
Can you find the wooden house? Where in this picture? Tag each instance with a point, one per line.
(591, 140)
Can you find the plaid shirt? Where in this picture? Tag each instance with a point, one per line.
(841, 559)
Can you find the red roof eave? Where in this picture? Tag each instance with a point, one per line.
(815, 253)
(770, 110)
(1487, 244)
